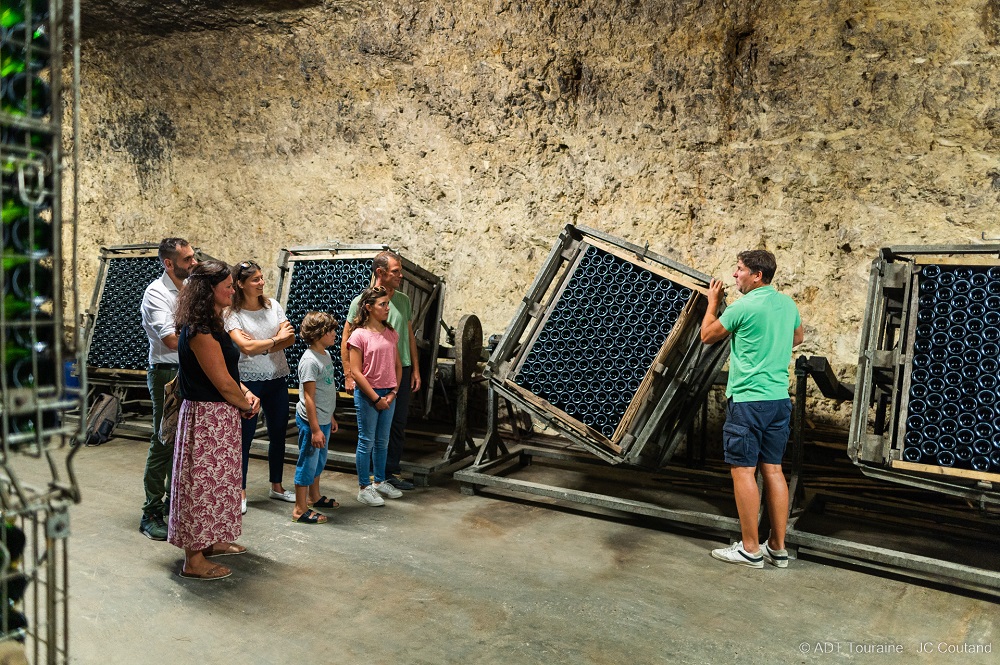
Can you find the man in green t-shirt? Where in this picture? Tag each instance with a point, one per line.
(388, 273)
(764, 325)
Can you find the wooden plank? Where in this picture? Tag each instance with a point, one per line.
(972, 260)
(323, 256)
(498, 363)
(113, 253)
(655, 268)
(710, 521)
(902, 399)
(935, 470)
(113, 373)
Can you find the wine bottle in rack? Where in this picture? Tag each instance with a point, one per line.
(26, 94)
(23, 48)
(13, 12)
(29, 238)
(20, 367)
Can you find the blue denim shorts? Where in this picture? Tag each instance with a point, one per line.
(311, 460)
(756, 431)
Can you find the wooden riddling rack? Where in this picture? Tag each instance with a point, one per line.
(675, 370)
(116, 343)
(117, 348)
(425, 290)
(886, 366)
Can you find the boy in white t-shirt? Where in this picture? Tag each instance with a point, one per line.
(314, 416)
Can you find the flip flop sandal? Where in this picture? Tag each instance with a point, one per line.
(213, 573)
(325, 503)
(311, 517)
(232, 548)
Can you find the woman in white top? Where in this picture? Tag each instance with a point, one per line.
(260, 329)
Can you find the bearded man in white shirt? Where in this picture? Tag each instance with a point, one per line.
(158, 302)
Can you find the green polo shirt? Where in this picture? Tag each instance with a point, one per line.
(762, 324)
(400, 313)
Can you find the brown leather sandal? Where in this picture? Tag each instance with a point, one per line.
(213, 573)
(230, 548)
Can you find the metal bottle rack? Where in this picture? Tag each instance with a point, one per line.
(37, 483)
(327, 278)
(669, 370)
(605, 348)
(900, 303)
(116, 348)
(908, 319)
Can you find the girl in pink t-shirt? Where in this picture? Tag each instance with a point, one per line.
(376, 369)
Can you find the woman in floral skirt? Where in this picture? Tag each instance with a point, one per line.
(206, 487)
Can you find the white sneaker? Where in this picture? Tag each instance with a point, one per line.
(287, 495)
(370, 497)
(387, 490)
(243, 506)
(774, 557)
(736, 554)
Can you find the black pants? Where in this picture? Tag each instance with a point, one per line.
(397, 433)
(273, 396)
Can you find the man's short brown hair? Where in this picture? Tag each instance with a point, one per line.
(759, 260)
(381, 260)
(168, 248)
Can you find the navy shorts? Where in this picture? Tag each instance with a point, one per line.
(756, 431)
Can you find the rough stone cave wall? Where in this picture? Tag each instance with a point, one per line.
(466, 134)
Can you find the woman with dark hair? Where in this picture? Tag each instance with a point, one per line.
(259, 328)
(376, 369)
(205, 490)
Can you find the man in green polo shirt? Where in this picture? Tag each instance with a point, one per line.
(764, 325)
(387, 271)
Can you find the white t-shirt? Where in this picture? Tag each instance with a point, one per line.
(261, 324)
(317, 367)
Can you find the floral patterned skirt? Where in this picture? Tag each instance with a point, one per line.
(205, 490)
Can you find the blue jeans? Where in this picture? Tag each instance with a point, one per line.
(273, 396)
(312, 460)
(373, 436)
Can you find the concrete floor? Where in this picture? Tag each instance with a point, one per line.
(438, 577)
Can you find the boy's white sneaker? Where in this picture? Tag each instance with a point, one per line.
(386, 490)
(736, 554)
(370, 497)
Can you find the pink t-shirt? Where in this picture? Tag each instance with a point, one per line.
(378, 355)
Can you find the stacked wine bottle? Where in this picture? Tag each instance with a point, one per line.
(324, 285)
(601, 338)
(953, 413)
(26, 201)
(13, 581)
(118, 340)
